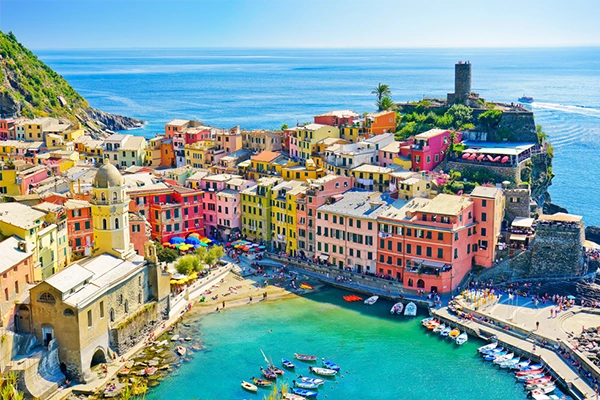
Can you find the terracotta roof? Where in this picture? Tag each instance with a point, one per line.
(267, 156)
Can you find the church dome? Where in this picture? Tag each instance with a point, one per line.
(108, 176)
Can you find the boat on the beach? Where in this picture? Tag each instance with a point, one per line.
(305, 357)
(446, 331)
(287, 364)
(249, 387)
(305, 385)
(526, 99)
(487, 347)
(322, 371)
(371, 300)
(462, 338)
(304, 392)
(267, 373)
(454, 333)
(439, 328)
(181, 350)
(317, 381)
(330, 365)
(397, 308)
(292, 396)
(261, 382)
(410, 310)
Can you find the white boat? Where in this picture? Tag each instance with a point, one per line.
(397, 308)
(371, 300)
(322, 371)
(544, 390)
(305, 385)
(510, 363)
(487, 347)
(462, 338)
(292, 396)
(446, 331)
(505, 357)
(249, 387)
(439, 328)
(410, 310)
(521, 365)
(181, 350)
(317, 381)
(541, 396)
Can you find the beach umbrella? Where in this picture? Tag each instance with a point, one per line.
(176, 240)
(192, 240)
(195, 234)
(262, 247)
(166, 244)
(202, 244)
(181, 281)
(173, 281)
(571, 297)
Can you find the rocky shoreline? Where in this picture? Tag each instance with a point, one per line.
(112, 122)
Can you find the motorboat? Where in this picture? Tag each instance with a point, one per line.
(544, 390)
(410, 310)
(462, 338)
(181, 350)
(454, 333)
(532, 367)
(371, 300)
(397, 308)
(276, 370)
(330, 365)
(307, 379)
(306, 286)
(432, 325)
(261, 382)
(305, 385)
(304, 392)
(490, 346)
(521, 365)
(305, 357)
(249, 387)
(322, 371)
(439, 328)
(505, 357)
(292, 396)
(542, 396)
(533, 386)
(267, 373)
(525, 378)
(530, 372)
(492, 351)
(493, 356)
(536, 381)
(446, 331)
(526, 99)
(352, 298)
(509, 363)
(287, 364)
(426, 321)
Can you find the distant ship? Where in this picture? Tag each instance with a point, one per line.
(526, 99)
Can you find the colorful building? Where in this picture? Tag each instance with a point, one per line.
(176, 130)
(229, 140)
(302, 172)
(336, 118)
(229, 208)
(211, 185)
(430, 148)
(489, 213)
(16, 272)
(56, 214)
(139, 232)
(310, 134)
(373, 177)
(256, 210)
(261, 140)
(382, 122)
(283, 215)
(265, 164)
(79, 226)
(341, 159)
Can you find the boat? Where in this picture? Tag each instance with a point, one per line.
(249, 387)
(352, 298)
(534, 386)
(304, 392)
(276, 370)
(181, 350)
(490, 346)
(531, 367)
(306, 286)
(492, 351)
(509, 363)
(525, 378)
(397, 308)
(292, 396)
(149, 371)
(287, 364)
(493, 356)
(541, 396)
(267, 373)
(544, 390)
(521, 365)
(446, 331)
(317, 381)
(330, 365)
(462, 338)
(530, 372)
(454, 333)
(426, 321)
(261, 382)
(526, 99)
(410, 310)
(322, 371)
(305, 385)
(305, 357)
(432, 325)
(439, 328)
(536, 381)
(505, 357)
(371, 300)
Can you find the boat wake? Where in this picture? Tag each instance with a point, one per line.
(587, 111)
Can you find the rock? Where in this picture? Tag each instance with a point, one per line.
(551, 208)
(140, 364)
(175, 338)
(8, 106)
(153, 363)
(113, 122)
(188, 339)
(592, 233)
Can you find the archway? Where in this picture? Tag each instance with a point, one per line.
(421, 284)
(98, 358)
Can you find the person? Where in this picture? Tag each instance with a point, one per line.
(537, 326)
(250, 299)
(534, 347)
(223, 304)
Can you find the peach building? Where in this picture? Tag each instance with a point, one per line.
(16, 271)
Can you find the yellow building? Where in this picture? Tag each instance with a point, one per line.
(410, 184)
(309, 135)
(110, 213)
(197, 155)
(353, 134)
(266, 164)
(30, 226)
(283, 215)
(37, 129)
(302, 172)
(56, 214)
(75, 132)
(8, 181)
(256, 210)
(372, 177)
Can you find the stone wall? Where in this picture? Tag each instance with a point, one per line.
(509, 173)
(517, 203)
(135, 328)
(557, 250)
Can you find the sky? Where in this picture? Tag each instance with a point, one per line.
(80, 24)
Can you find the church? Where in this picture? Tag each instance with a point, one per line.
(100, 307)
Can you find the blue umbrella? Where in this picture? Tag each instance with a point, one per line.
(192, 240)
(176, 240)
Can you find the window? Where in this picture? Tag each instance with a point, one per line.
(483, 231)
(68, 312)
(419, 250)
(77, 226)
(440, 253)
(47, 298)
(440, 236)
(126, 306)
(399, 247)
(116, 223)
(389, 244)
(358, 223)
(483, 203)
(104, 224)
(468, 248)
(381, 258)
(408, 232)
(483, 217)
(89, 317)
(87, 225)
(101, 310)
(408, 248)
(455, 254)
(428, 251)
(370, 225)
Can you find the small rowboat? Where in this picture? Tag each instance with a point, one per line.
(317, 381)
(525, 378)
(510, 363)
(306, 286)
(432, 325)
(397, 308)
(487, 347)
(426, 321)
(181, 350)
(249, 387)
(521, 365)
(439, 328)
(371, 300)
(539, 380)
(305, 385)
(292, 396)
(446, 331)
(287, 364)
(304, 392)
(410, 310)
(454, 333)
(544, 390)
(530, 372)
(261, 382)
(276, 370)
(330, 365)
(505, 357)
(462, 338)
(267, 373)
(534, 386)
(322, 371)
(532, 367)
(305, 357)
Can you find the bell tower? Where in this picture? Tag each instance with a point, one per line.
(110, 213)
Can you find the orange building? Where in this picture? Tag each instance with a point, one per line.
(16, 271)
(382, 122)
(79, 227)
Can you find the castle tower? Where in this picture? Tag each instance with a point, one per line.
(462, 83)
(110, 213)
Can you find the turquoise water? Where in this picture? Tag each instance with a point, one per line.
(382, 356)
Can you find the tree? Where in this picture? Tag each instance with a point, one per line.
(201, 252)
(218, 252)
(461, 115)
(284, 127)
(165, 254)
(490, 119)
(385, 104)
(188, 264)
(381, 91)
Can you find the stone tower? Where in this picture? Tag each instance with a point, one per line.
(462, 83)
(110, 213)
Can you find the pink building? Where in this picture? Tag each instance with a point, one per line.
(176, 131)
(430, 148)
(336, 118)
(30, 177)
(347, 230)
(212, 185)
(229, 210)
(8, 128)
(16, 271)
(139, 232)
(291, 141)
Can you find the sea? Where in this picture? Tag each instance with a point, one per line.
(265, 88)
(382, 356)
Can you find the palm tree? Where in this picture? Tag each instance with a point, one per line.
(381, 91)
(385, 104)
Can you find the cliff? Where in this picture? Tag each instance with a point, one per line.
(32, 89)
